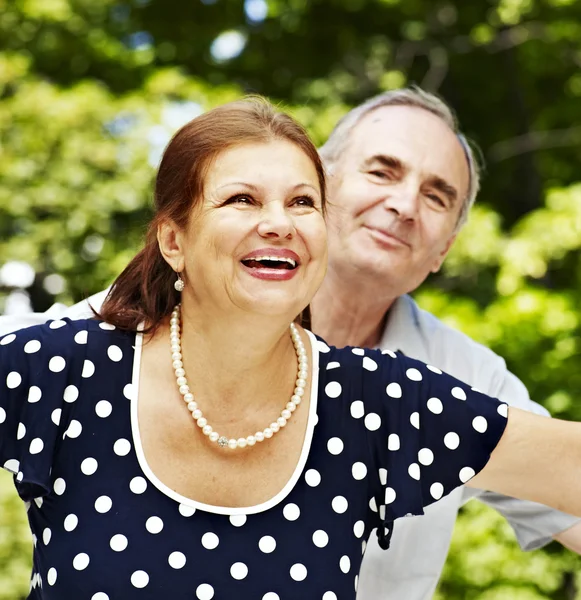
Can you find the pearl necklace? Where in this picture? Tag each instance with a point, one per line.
(202, 422)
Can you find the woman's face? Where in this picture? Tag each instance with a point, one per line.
(257, 242)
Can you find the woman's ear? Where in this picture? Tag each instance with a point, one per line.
(169, 238)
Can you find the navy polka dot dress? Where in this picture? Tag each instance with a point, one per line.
(386, 436)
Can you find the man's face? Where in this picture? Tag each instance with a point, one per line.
(395, 195)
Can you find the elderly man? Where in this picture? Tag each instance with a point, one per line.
(402, 180)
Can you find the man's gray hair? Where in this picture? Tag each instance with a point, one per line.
(413, 96)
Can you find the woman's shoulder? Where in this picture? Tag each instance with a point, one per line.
(351, 357)
(59, 338)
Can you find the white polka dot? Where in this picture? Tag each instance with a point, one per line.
(357, 409)
(106, 326)
(210, 540)
(128, 391)
(333, 389)
(36, 446)
(335, 446)
(103, 504)
(32, 347)
(359, 470)
(369, 364)
(270, 596)
(373, 504)
(390, 495)
(88, 369)
(413, 374)
(186, 511)
(122, 447)
(114, 353)
(154, 525)
(34, 394)
(21, 431)
(56, 364)
(452, 440)
(359, 529)
(46, 535)
(140, 579)
(345, 564)
(313, 477)
(322, 347)
(20, 476)
(503, 410)
(393, 442)
(7, 340)
(435, 406)
(177, 560)
(459, 393)
(56, 416)
(291, 512)
(320, 538)
(70, 523)
(267, 544)
(74, 429)
(358, 351)
(12, 465)
(333, 365)
(89, 466)
(383, 476)
(466, 474)
(81, 337)
(436, 490)
(57, 324)
(71, 393)
(414, 471)
(238, 520)
(339, 504)
(59, 486)
(426, 456)
(103, 408)
(238, 571)
(298, 572)
(434, 369)
(372, 421)
(13, 380)
(356, 580)
(81, 561)
(480, 424)
(51, 576)
(415, 419)
(204, 592)
(329, 596)
(393, 390)
(138, 485)
(2, 415)
(100, 596)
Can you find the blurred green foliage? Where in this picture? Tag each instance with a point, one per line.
(91, 91)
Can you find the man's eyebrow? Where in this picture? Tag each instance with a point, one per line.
(446, 188)
(386, 161)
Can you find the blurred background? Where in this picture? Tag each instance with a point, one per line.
(90, 93)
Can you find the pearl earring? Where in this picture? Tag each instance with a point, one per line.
(179, 284)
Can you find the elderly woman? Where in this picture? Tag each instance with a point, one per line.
(192, 442)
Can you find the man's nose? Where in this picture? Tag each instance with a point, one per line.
(276, 222)
(404, 202)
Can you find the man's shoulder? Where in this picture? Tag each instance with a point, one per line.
(422, 335)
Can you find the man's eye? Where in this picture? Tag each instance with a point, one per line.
(381, 174)
(437, 200)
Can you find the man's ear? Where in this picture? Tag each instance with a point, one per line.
(438, 262)
(170, 240)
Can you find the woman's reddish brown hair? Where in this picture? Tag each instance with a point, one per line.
(144, 291)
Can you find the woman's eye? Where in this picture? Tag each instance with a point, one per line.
(305, 201)
(239, 199)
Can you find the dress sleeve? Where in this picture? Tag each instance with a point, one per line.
(40, 377)
(435, 432)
